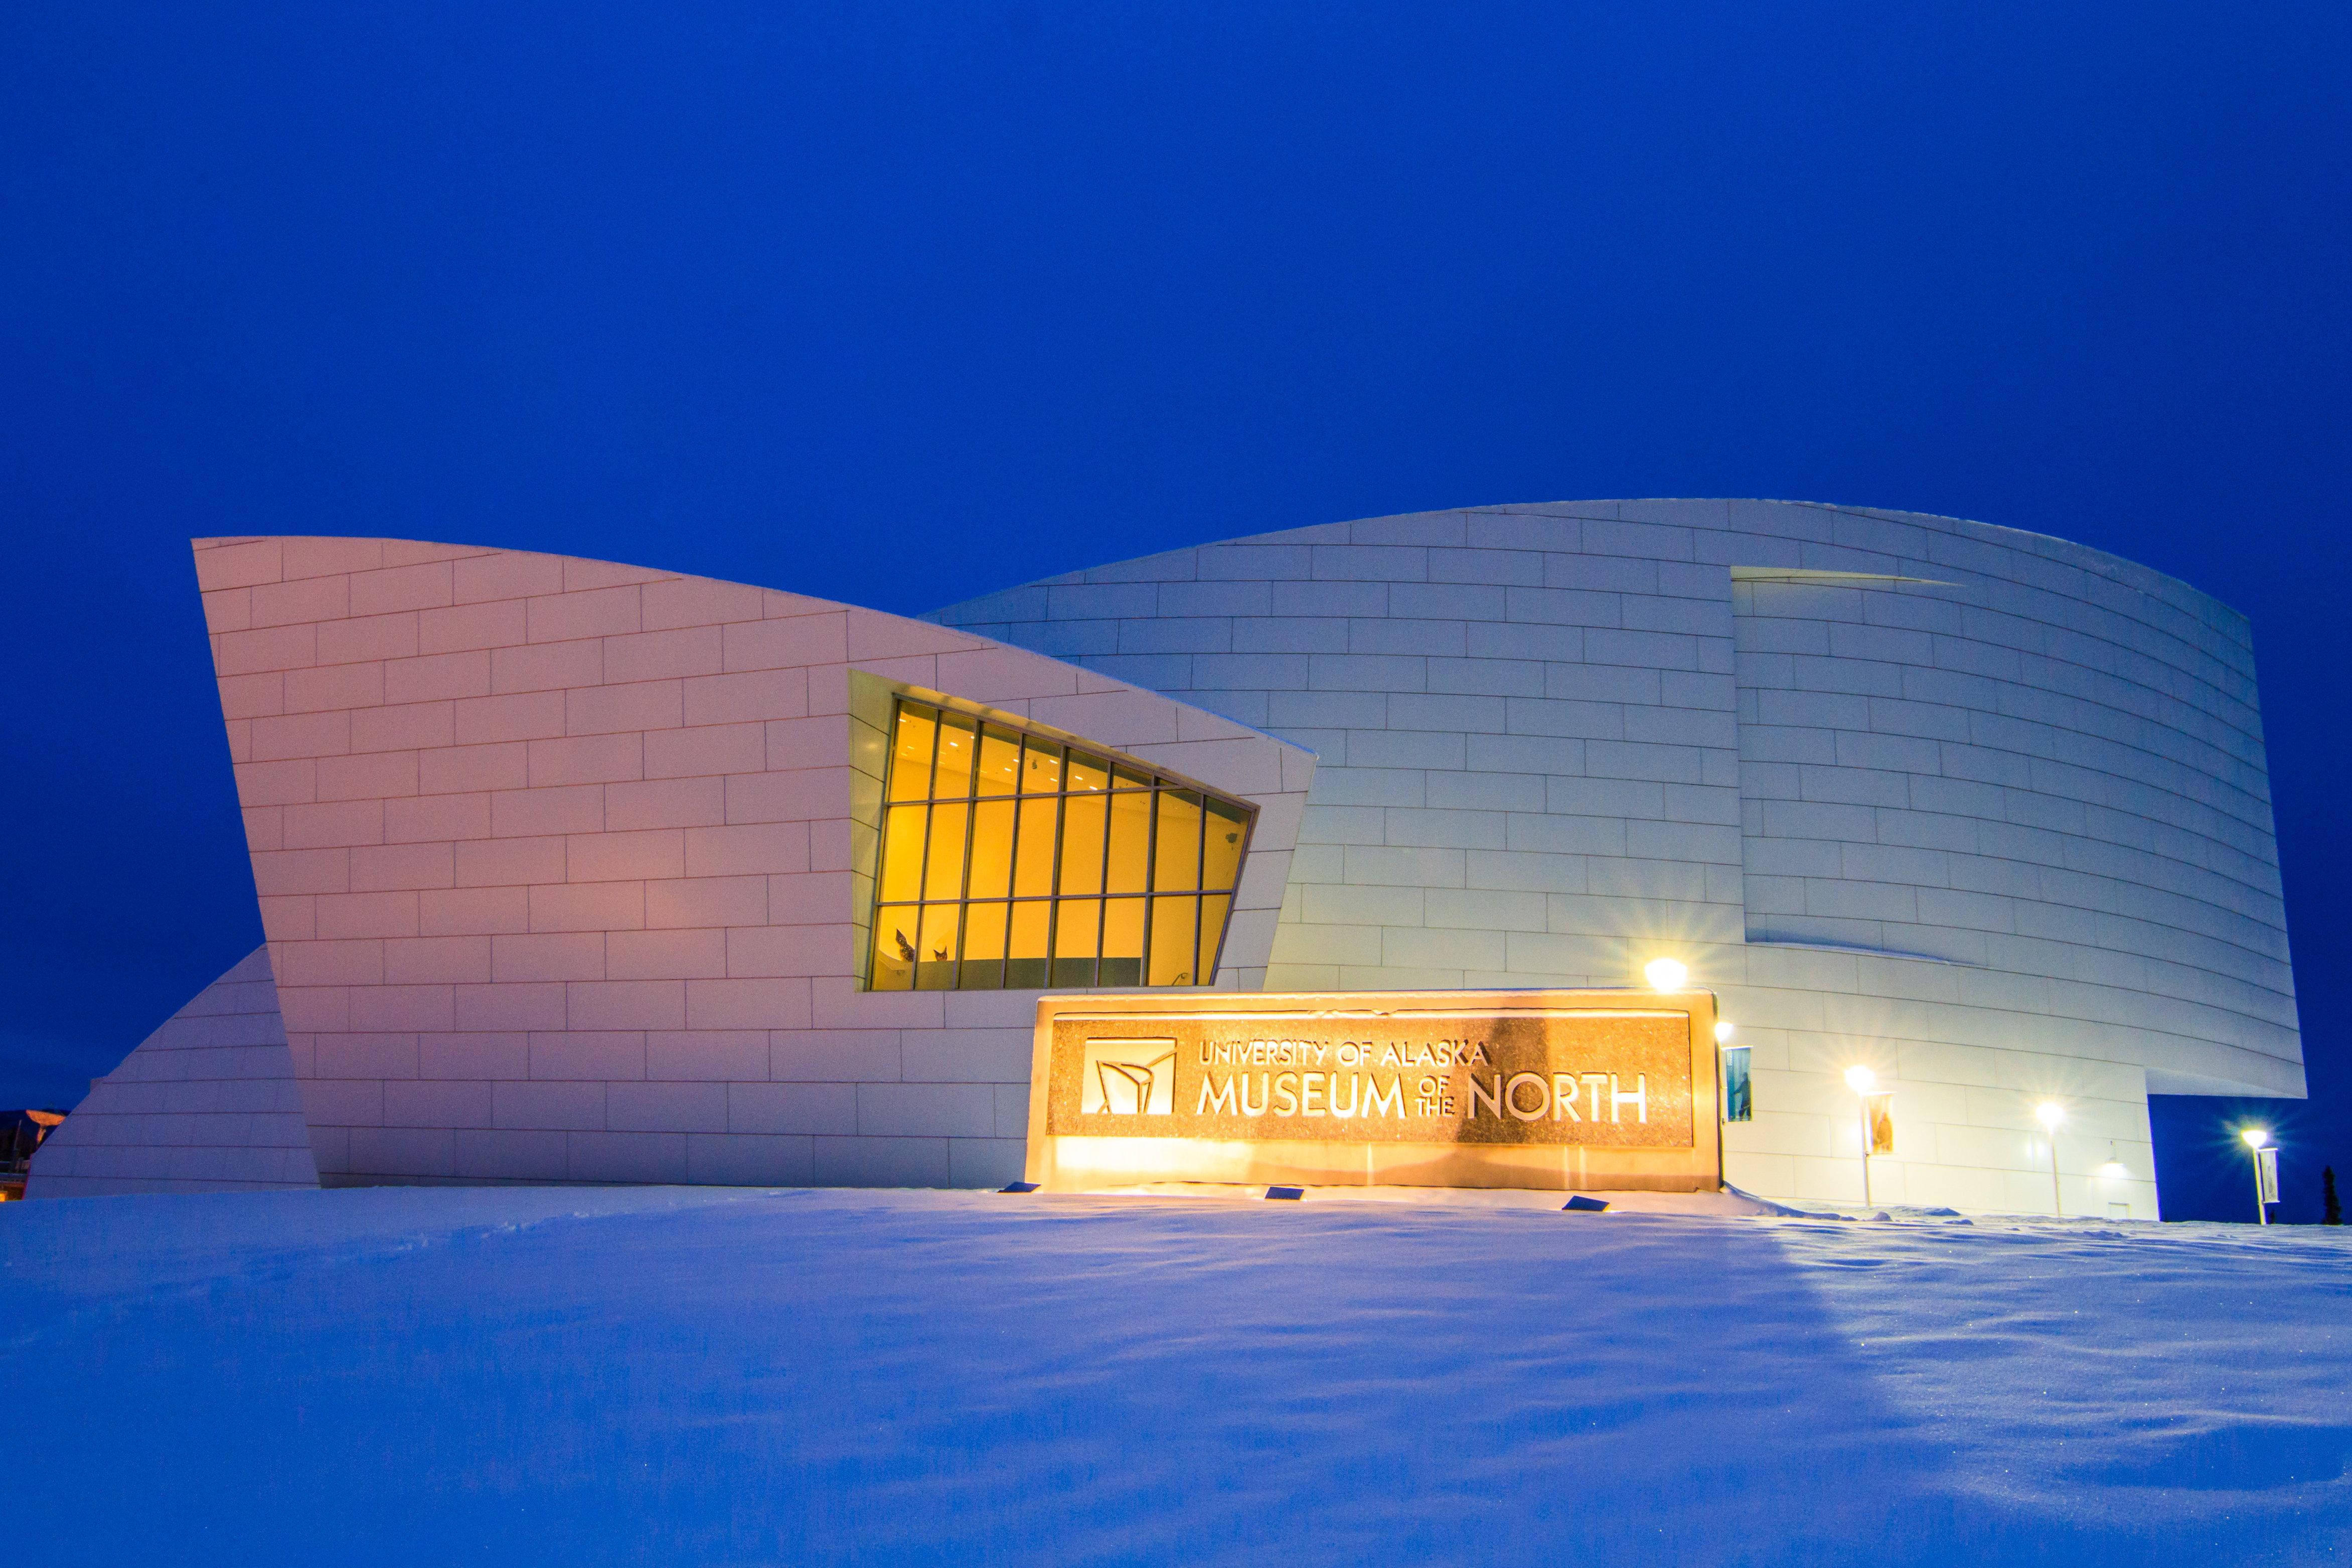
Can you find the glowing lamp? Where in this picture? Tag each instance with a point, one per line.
(1862, 1080)
(1666, 973)
(1723, 1032)
(2050, 1113)
(2255, 1137)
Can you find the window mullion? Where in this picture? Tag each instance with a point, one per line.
(963, 881)
(1102, 880)
(1054, 887)
(1012, 867)
(1151, 855)
(923, 860)
(1201, 898)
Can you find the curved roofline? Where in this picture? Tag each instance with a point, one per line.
(1894, 515)
(2139, 578)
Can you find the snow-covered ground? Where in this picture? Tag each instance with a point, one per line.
(675, 1376)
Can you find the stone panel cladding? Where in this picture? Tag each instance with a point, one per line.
(557, 863)
(1555, 743)
(1971, 773)
(1526, 726)
(206, 1103)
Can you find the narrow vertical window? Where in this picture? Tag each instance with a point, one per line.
(910, 755)
(1173, 958)
(1176, 862)
(943, 868)
(902, 859)
(1082, 845)
(1213, 910)
(1000, 762)
(1078, 927)
(1122, 944)
(1128, 867)
(1223, 829)
(935, 964)
(992, 851)
(1026, 949)
(951, 776)
(1033, 876)
(984, 947)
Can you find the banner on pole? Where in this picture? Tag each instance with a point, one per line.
(2266, 1167)
(1881, 1111)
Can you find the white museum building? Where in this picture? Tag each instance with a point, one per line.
(572, 871)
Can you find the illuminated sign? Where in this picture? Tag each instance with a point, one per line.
(1556, 1088)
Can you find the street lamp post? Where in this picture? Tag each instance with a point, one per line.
(2257, 1140)
(2050, 1113)
(1862, 1080)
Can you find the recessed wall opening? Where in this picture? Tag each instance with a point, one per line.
(1013, 860)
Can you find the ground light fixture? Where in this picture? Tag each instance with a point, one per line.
(2050, 1113)
(2265, 1157)
(1666, 973)
(1864, 1082)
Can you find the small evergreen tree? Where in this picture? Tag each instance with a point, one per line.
(2331, 1211)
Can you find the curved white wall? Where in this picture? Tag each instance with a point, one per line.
(2031, 782)
(206, 1103)
(2003, 833)
(558, 859)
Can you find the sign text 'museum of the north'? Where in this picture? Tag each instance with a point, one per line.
(1317, 1093)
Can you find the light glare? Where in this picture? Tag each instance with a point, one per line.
(1723, 1032)
(2255, 1137)
(1666, 973)
(1862, 1080)
(2050, 1113)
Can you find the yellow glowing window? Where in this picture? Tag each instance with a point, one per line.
(1011, 861)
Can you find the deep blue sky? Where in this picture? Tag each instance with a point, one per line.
(900, 304)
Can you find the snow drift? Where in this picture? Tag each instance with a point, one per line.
(679, 1375)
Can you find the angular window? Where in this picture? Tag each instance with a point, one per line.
(1010, 861)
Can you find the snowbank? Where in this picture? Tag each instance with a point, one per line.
(670, 1376)
(1730, 1201)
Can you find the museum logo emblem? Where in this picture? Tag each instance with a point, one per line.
(1129, 1078)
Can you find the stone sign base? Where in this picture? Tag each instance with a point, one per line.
(1556, 1091)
